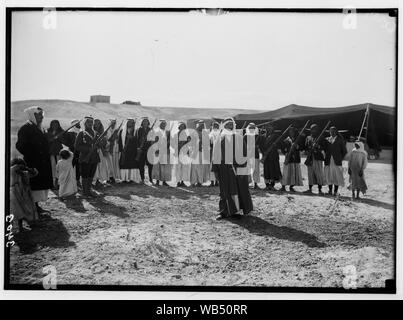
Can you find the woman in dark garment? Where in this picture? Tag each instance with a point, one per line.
(54, 136)
(271, 166)
(128, 150)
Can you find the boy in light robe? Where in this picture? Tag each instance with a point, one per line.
(254, 163)
(356, 165)
(65, 174)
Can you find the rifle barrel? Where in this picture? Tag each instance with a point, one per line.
(262, 124)
(287, 156)
(323, 131)
(275, 143)
(64, 131)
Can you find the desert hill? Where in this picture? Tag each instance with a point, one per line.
(66, 110)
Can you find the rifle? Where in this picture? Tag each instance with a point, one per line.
(94, 145)
(143, 147)
(309, 157)
(115, 133)
(288, 155)
(266, 153)
(113, 136)
(262, 124)
(64, 131)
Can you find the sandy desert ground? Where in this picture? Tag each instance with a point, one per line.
(147, 235)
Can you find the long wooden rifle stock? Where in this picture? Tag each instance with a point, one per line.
(95, 144)
(288, 155)
(115, 132)
(309, 157)
(269, 149)
(64, 131)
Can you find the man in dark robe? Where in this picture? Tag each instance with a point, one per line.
(87, 146)
(142, 149)
(314, 160)
(232, 176)
(69, 139)
(291, 147)
(34, 146)
(271, 161)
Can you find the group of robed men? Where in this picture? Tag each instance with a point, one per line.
(119, 153)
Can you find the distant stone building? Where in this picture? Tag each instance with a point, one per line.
(100, 98)
(136, 103)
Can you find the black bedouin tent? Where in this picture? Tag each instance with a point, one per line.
(379, 127)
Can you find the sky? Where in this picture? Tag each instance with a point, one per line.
(188, 59)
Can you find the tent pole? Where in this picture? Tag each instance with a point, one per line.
(366, 131)
(364, 121)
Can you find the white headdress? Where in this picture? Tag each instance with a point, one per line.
(250, 131)
(31, 113)
(361, 147)
(226, 131)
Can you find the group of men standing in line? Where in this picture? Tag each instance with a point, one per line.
(119, 153)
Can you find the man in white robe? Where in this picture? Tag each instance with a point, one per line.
(214, 136)
(162, 170)
(182, 165)
(113, 155)
(253, 162)
(200, 168)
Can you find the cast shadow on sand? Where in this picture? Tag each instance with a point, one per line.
(368, 201)
(46, 232)
(100, 204)
(185, 193)
(162, 192)
(261, 227)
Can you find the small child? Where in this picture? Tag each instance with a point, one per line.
(22, 205)
(66, 175)
(356, 165)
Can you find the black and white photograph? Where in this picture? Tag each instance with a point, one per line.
(201, 149)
